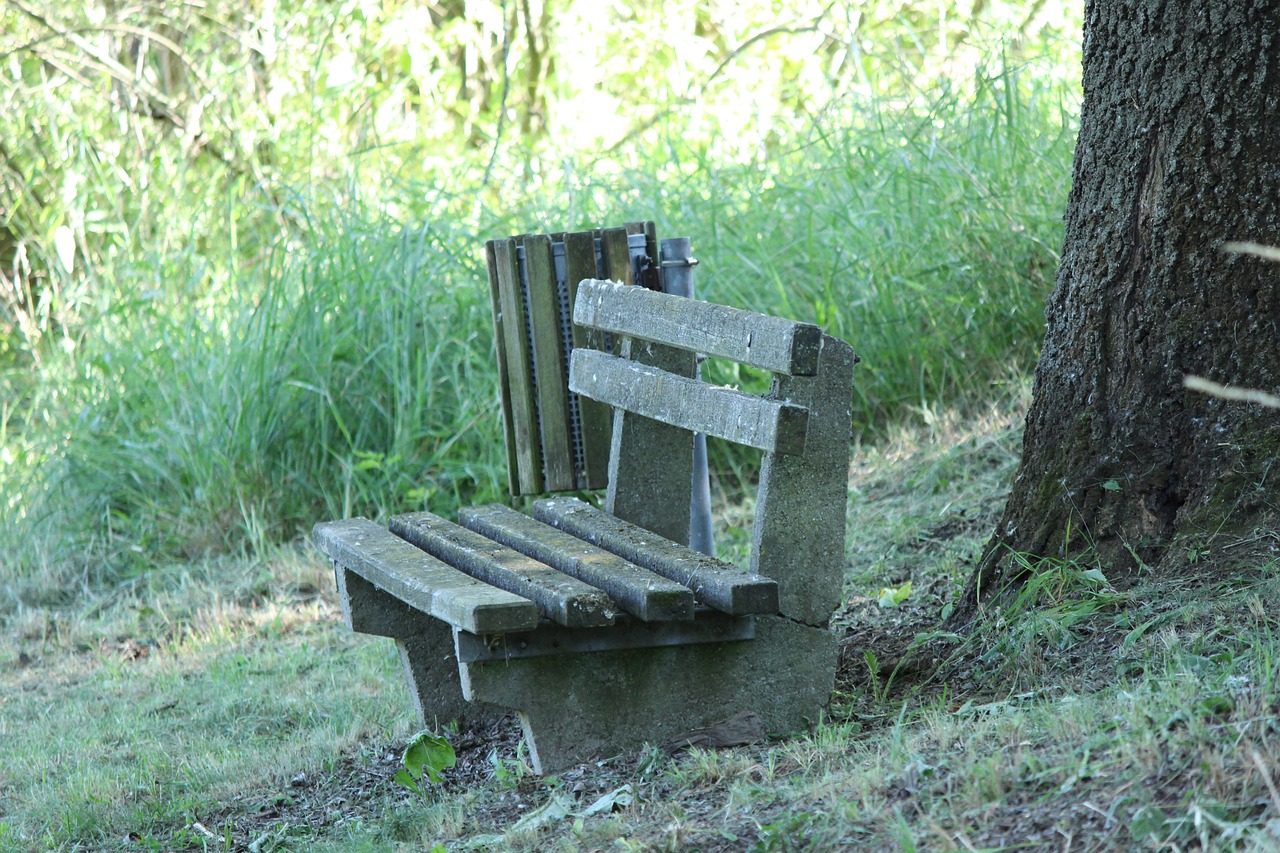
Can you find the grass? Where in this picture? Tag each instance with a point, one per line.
(181, 691)
(207, 401)
(221, 704)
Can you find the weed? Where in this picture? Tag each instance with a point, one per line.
(510, 773)
(426, 756)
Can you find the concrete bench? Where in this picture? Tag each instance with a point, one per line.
(599, 632)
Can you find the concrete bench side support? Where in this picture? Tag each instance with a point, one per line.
(578, 707)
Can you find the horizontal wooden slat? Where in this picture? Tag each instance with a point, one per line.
(709, 626)
(715, 582)
(420, 580)
(559, 597)
(640, 592)
(770, 343)
(770, 425)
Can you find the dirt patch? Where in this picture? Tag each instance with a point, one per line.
(361, 787)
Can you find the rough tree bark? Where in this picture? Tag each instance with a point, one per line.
(1178, 153)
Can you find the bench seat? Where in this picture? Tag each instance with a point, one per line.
(503, 573)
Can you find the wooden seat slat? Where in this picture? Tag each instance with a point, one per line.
(644, 594)
(714, 582)
(422, 581)
(558, 597)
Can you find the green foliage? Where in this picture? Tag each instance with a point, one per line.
(892, 596)
(427, 756)
(192, 695)
(240, 279)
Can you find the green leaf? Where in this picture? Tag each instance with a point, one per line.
(1146, 822)
(892, 596)
(1111, 486)
(402, 777)
(1215, 706)
(1094, 576)
(428, 755)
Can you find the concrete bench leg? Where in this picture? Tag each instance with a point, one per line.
(426, 651)
(432, 671)
(578, 707)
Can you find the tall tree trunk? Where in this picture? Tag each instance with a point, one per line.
(1179, 153)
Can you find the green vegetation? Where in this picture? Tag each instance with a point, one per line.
(222, 704)
(232, 309)
(241, 290)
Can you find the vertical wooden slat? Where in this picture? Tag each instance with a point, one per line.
(580, 263)
(617, 257)
(595, 418)
(550, 367)
(504, 383)
(524, 413)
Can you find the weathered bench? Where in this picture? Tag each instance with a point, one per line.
(601, 633)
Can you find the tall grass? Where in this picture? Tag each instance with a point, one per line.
(927, 237)
(350, 371)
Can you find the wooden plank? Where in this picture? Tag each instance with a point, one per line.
(616, 255)
(524, 411)
(594, 418)
(709, 626)
(551, 373)
(504, 382)
(642, 593)
(565, 600)
(420, 580)
(714, 582)
(772, 343)
(773, 426)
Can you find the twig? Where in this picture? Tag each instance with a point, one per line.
(502, 107)
(1266, 777)
(203, 830)
(1230, 392)
(1244, 247)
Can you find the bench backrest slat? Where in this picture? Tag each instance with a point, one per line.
(773, 426)
(770, 343)
(550, 368)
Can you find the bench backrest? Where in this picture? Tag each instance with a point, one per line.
(802, 426)
(554, 441)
